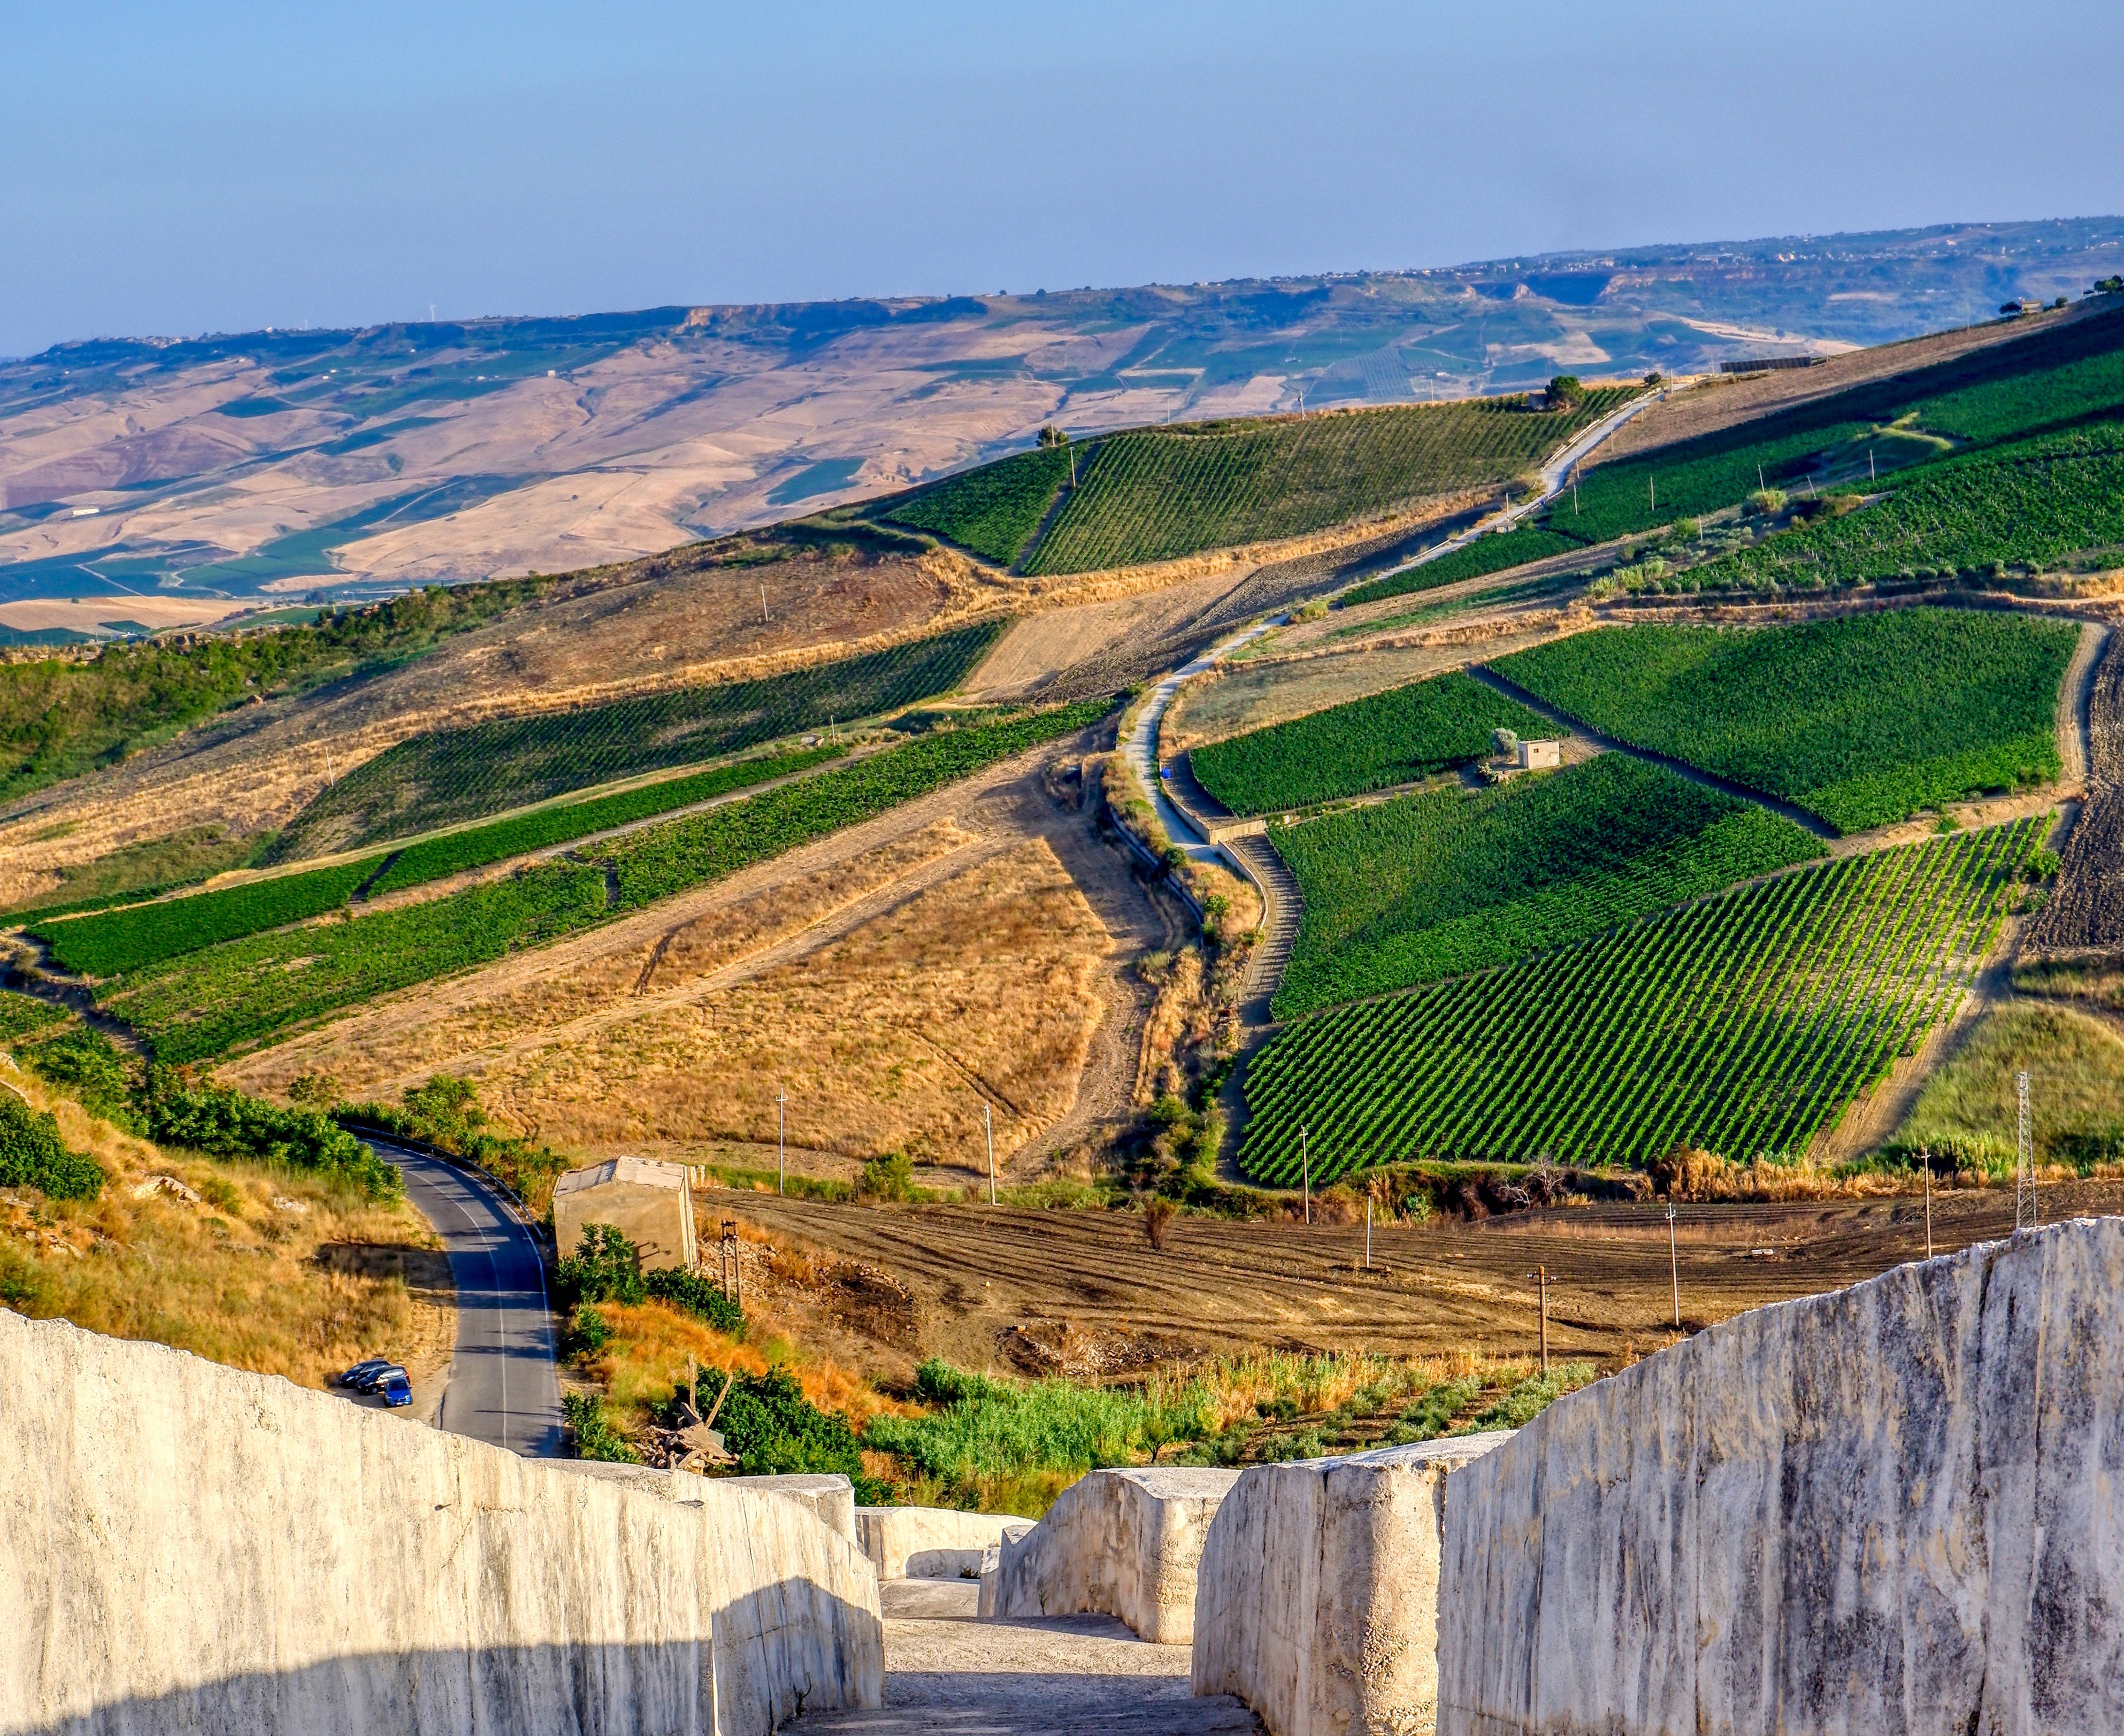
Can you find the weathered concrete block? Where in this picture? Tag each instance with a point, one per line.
(1317, 1600)
(1123, 1543)
(1897, 1508)
(829, 1497)
(929, 1542)
(187, 1548)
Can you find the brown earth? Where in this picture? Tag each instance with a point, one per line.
(1723, 400)
(2085, 914)
(1031, 1290)
(976, 945)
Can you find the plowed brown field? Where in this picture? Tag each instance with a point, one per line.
(1085, 1291)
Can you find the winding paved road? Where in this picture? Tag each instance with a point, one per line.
(502, 1386)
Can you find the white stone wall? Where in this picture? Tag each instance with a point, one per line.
(1124, 1543)
(1899, 1508)
(185, 1547)
(929, 1542)
(1316, 1599)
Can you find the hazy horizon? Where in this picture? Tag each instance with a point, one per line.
(231, 168)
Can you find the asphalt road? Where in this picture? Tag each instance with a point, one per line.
(502, 1387)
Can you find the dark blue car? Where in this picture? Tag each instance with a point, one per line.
(396, 1390)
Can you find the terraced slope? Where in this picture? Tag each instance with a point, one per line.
(1743, 1023)
(1156, 494)
(1862, 721)
(452, 775)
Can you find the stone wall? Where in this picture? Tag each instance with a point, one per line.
(929, 1542)
(1124, 1543)
(1897, 1508)
(1317, 1602)
(185, 1547)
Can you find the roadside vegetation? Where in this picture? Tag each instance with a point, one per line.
(201, 1221)
(1434, 885)
(1396, 737)
(1863, 721)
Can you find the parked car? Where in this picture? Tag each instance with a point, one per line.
(360, 1372)
(397, 1389)
(374, 1382)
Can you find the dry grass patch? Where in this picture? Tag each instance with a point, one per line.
(272, 1270)
(523, 1001)
(982, 989)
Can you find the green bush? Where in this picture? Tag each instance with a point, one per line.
(595, 1437)
(92, 1070)
(697, 1296)
(988, 1428)
(226, 1123)
(889, 1177)
(32, 1155)
(775, 1431)
(603, 1268)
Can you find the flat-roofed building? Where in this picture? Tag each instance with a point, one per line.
(647, 1202)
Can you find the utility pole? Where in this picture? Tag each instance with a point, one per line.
(782, 1141)
(1761, 487)
(1574, 497)
(988, 1124)
(1541, 1274)
(1305, 1162)
(1652, 483)
(1674, 1265)
(2025, 1216)
(1924, 1157)
(1368, 1232)
(1871, 474)
(762, 605)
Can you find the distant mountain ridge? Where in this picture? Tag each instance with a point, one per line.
(165, 480)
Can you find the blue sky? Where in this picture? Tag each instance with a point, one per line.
(223, 166)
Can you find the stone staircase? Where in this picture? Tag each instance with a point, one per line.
(947, 1674)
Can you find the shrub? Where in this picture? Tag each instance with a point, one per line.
(226, 1123)
(697, 1296)
(1158, 1215)
(92, 1069)
(1767, 501)
(603, 1268)
(889, 1177)
(775, 1431)
(32, 1155)
(596, 1436)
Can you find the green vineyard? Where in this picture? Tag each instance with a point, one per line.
(453, 775)
(2030, 504)
(992, 510)
(1156, 494)
(1439, 884)
(1863, 721)
(1743, 1023)
(1392, 738)
(2072, 375)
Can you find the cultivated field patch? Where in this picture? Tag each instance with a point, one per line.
(992, 510)
(1742, 1024)
(1392, 738)
(1158, 494)
(1457, 881)
(453, 775)
(1863, 721)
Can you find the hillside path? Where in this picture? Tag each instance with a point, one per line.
(949, 1674)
